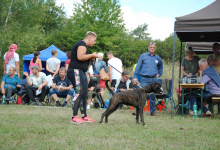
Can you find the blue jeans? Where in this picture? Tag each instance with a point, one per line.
(146, 81)
(197, 100)
(62, 94)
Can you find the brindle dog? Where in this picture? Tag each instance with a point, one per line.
(136, 98)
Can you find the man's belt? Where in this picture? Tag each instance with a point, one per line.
(148, 76)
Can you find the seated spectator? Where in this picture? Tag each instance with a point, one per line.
(211, 79)
(67, 62)
(53, 64)
(91, 87)
(189, 65)
(124, 83)
(61, 87)
(36, 82)
(214, 59)
(9, 84)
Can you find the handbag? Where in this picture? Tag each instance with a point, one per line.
(103, 74)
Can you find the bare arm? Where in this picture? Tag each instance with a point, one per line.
(2, 86)
(40, 64)
(66, 66)
(110, 72)
(56, 72)
(54, 86)
(82, 56)
(28, 78)
(4, 68)
(47, 68)
(183, 71)
(17, 68)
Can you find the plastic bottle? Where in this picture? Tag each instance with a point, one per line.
(195, 113)
(3, 100)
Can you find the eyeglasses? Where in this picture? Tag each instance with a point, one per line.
(152, 43)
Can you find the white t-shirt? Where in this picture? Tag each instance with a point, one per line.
(38, 81)
(11, 62)
(117, 64)
(52, 63)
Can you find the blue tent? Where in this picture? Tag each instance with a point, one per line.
(44, 55)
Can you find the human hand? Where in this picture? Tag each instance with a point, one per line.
(135, 81)
(19, 75)
(95, 55)
(197, 74)
(112, 88)
(190, 74)
(40, 87)
(26, 74)
(52, 77)
(19, 86)
(61, 88)
(157, 75)
(5, 73)
(110, 80)
(3, 91)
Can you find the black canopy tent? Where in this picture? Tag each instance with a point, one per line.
(200, 26)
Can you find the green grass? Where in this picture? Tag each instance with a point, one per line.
(27, 127)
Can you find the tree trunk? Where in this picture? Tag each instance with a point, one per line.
(8, 13)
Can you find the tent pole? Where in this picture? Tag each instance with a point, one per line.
(180, 59)
(174, 44)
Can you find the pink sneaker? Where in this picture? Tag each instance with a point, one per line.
(76, 120)
(87, 119)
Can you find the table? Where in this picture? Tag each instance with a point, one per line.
(197, 86)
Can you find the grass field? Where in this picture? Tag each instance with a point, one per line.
(27, 127)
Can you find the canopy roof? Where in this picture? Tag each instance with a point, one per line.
(45, 54)
(200, 26)
(201, 47)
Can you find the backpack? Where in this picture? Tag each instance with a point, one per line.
(99, 103)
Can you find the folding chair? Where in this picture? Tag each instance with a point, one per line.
(98, 97)
(167, 89)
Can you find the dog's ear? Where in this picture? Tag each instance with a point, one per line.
(154, 85)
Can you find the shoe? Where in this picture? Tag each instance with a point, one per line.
(134, 113)
(76, 120)
(39, 104)
(187, 105)
(57, 104)
(208, 113)
(88, 107)
(64, 104)
(190, 114)
(91, 103)
(34, 103)
(87, 119)
(154, 114)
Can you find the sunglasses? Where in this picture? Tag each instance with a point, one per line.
(152, 43)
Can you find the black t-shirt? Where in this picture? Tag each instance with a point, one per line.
(65, 83)
(122, 85)
(74, 62)
(91, 83)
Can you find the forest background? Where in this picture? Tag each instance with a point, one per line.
(34, 25)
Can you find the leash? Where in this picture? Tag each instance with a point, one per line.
(121, 73)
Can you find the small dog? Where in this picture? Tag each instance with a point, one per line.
(136, 98)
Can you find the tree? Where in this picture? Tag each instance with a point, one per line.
(140, 32)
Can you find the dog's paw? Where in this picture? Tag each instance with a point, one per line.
(137, 122)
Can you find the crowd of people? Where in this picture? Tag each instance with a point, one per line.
(73, 80)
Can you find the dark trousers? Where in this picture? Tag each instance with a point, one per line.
(31, 92)
(80, 84)
(9, 91)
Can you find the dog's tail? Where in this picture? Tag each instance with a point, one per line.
(110, 90)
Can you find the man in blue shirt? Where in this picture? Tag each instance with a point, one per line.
(150, 67)
(9, 84)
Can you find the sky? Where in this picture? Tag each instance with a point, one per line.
(158, 14)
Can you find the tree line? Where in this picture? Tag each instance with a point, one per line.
(34, 25)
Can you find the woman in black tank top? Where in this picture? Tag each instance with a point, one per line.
(80, 59)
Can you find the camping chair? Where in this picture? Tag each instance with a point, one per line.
(167, 89)
(98, 97)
